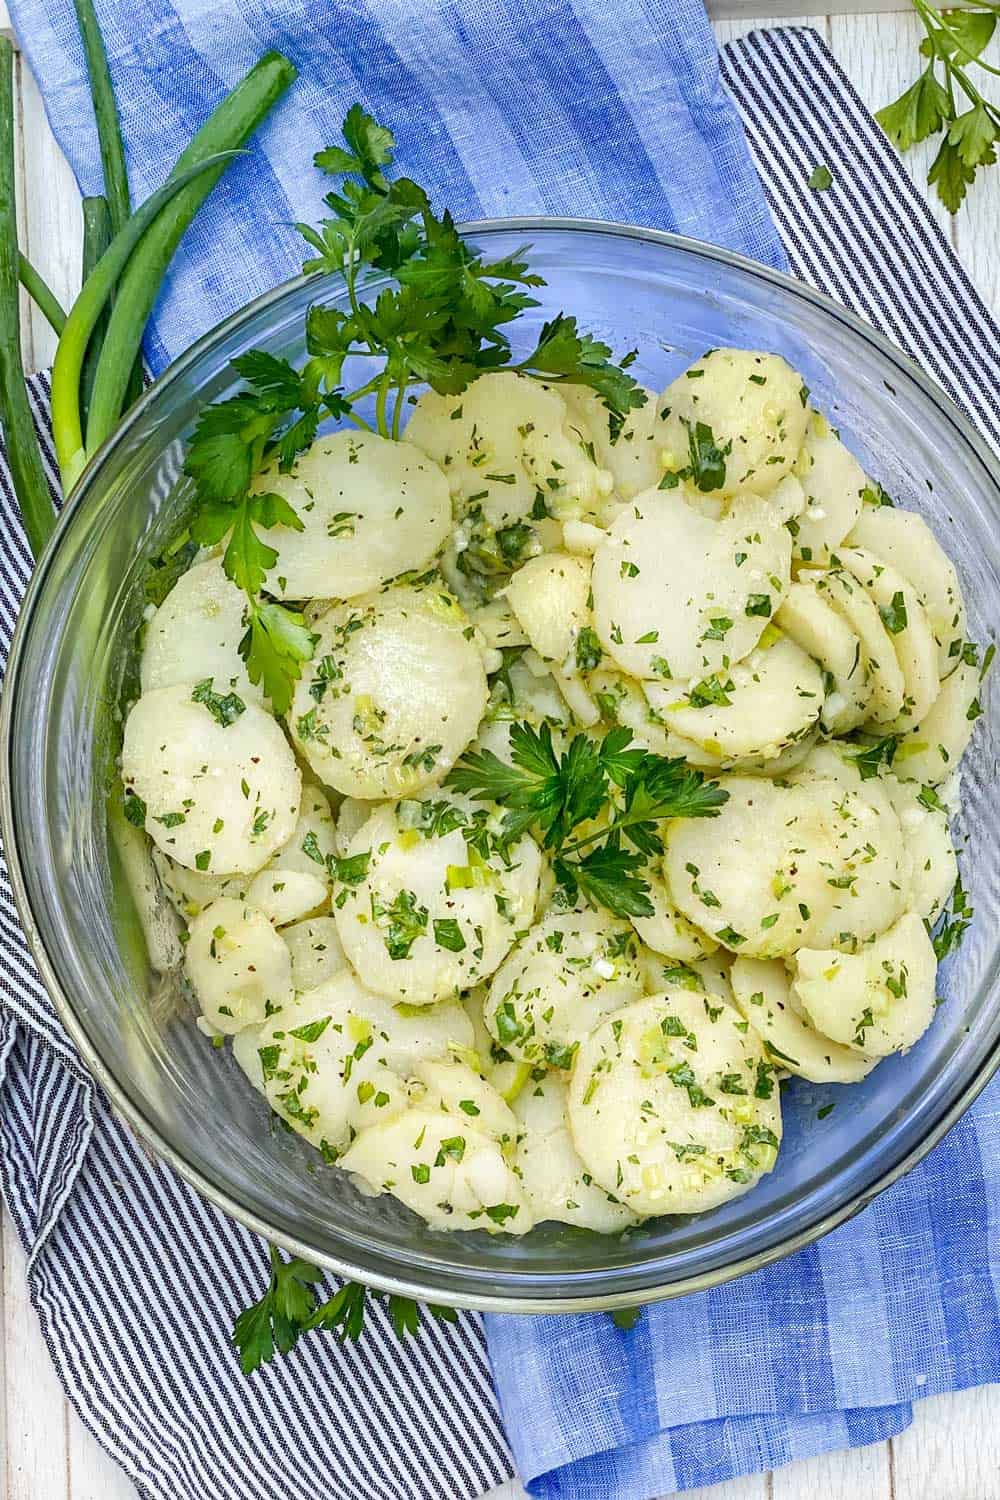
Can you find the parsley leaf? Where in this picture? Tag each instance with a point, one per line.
(290, 1308)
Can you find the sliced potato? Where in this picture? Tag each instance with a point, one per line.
(296, 882)
(707, 975)
(337, 1057)
(877, 1001)
(931, 752)
(784, 863)
(753, 406)
(393, 695)
(195, 634)
(549, 598)
(833, 481)
(452, 1085)
(189, 891)
(767, 1000)
(678, 596)
(909, 630)
(316, 951)
(555, 1180)
(566, 973)
(369, 509)
(632, 455)
(501, 442)
(666, 931)
(883, 673)
(237, 965)
(220, 797)
(811, 621)
(758, 707)
(620, 700)
(905, 541)
(672, 1108)
(428, 915)
(933, 865)
(454, 1176)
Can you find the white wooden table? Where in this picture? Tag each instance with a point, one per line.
(952, 1451)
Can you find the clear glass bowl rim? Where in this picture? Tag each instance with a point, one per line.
(122, 1103)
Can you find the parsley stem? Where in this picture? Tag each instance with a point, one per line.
(23, 453)
(398, 408)
(227, 128)
(84, 314)
(380, 406)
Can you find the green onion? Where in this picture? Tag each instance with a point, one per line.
(41, 294)
(83, 317)
(227, 128)
(106, 112)
(96, 239)
(23, 453)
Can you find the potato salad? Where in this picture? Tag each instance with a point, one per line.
(613, 788)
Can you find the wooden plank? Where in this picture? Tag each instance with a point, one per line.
(952, 1450)
(978, 219)
(847, 1475)
(52, 228)
(735, 26)
(36, 1466)
(92, 1474)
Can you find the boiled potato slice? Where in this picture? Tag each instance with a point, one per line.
(632, 456)
(562, 977)
(619, 699)
(877, 1001)
(220, 797)
(296, 881)
(757, 707)
(452, 1085)
(549, 596)
(672, 1108)
(754, 408)
(315, 948)
(933, 865)
(195, 634)
(784, 863)
(833, 481)
(810, 620)
(883, 673)
(677, 595)
(393, 695)
(766, 999)
(931, 752)
(189, 891)
(908, 628)
(427, 914)
(905, 541)
(337, 1057)
(666, 931)
(370, 509)
(502, 442)
(453, 1175)
(708, 975)
(237, 965)
(555, 1180)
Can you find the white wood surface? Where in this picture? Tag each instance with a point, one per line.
(952, 1451)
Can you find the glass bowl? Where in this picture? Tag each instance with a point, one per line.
(671, 299)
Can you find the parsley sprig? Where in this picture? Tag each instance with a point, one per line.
(945, 99)
(553, 792)
(443, 323)
(291, 1307)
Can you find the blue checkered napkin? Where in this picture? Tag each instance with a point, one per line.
(581, 107)
(829, 1348)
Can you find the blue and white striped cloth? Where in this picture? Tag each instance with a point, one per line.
(134, 1278)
